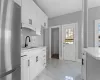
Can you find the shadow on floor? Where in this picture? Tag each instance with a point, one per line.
(56, 56)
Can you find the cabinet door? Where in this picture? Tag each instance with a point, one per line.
(38, 29)
(46, 21)
(25, 11)
(33, 13)
(33, 67)
(40, 63)
(28, 13)
(38, 21)
(24, 68)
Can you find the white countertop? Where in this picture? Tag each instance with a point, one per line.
(94, 52)
(25, 50)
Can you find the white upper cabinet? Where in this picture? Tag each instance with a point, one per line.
(42, 18)
(38, 21)
(28, 14)
(33, 17)
(45, 21)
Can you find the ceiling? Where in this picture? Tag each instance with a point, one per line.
(55, 8)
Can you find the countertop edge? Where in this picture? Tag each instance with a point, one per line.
(93, 51)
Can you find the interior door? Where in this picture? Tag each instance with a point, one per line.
(69, 42)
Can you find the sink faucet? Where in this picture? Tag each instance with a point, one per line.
(26, 44)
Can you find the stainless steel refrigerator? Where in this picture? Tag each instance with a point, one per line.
(10, 43)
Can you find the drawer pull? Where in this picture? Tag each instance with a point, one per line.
(23, 55)
(82, 61)
(37, 59)
(28, 62)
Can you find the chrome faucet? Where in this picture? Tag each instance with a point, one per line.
(26, 41)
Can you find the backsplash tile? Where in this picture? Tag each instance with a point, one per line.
(36, 41)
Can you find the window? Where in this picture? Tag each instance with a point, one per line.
(69, 36)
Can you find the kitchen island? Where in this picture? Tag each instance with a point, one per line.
(91, 64)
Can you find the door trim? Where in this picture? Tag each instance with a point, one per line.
(76, 50)
(58, 26)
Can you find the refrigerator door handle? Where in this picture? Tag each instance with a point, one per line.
(9, 72)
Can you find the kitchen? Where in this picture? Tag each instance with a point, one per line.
(25, 46)
(22, 40)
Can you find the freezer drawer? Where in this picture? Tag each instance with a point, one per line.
(14, 74)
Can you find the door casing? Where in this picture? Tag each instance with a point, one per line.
(58, 26)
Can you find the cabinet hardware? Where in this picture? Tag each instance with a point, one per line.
(30, 21)
(23, 55)
(36, 58)
(82, 61)
(28, 62)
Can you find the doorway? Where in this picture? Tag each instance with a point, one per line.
(70, 42)
(55, 43)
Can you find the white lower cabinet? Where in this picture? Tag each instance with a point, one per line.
(24, 68)
(33, 67)
(33, 63)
